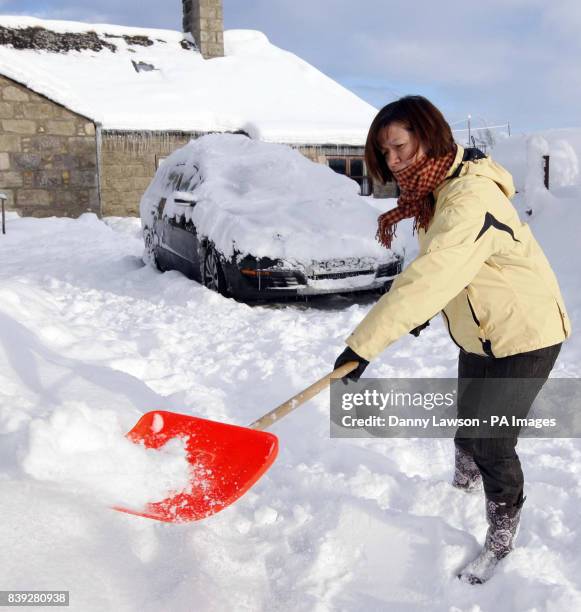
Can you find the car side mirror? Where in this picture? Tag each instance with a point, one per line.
(185, 198)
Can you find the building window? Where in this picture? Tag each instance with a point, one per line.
(354, 168)
(338, 165)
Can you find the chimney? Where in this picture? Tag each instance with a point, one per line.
(204, 21)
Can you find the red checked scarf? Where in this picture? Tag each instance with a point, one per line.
(416, 183)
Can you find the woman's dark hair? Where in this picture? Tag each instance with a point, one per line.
(416, 114)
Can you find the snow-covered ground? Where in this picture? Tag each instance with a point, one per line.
(90, 339)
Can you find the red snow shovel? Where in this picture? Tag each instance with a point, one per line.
(225, 460)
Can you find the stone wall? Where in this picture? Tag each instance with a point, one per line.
(387, 190)
(48, 158)
(128, 163)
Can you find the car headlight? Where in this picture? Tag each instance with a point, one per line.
(274, 278)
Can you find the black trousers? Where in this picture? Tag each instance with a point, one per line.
(496, 457)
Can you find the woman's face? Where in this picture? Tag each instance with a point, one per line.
(400, 147)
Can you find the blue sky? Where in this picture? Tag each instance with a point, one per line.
(498, 60)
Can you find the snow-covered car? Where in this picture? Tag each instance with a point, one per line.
(257, 220)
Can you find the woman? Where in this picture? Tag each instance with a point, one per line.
(483, 270)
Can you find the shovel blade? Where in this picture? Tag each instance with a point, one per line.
(225, 461)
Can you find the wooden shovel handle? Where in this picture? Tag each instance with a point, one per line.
(300, 398)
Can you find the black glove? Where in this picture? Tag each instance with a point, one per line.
(416, 330)
(350, 355)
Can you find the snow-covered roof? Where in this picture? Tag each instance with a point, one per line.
(271, 93)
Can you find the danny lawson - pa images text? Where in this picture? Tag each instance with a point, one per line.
(349, 420)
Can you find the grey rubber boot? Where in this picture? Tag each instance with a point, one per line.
(466, 473)
(503, 524)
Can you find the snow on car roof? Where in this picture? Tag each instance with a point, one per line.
(155, 83)
(267, 200)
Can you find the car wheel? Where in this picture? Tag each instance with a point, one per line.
(150, 256)
(213, 276)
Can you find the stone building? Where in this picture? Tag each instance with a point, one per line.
(87, 113)
(48, 161)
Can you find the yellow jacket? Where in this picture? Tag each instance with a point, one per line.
(478, 265)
